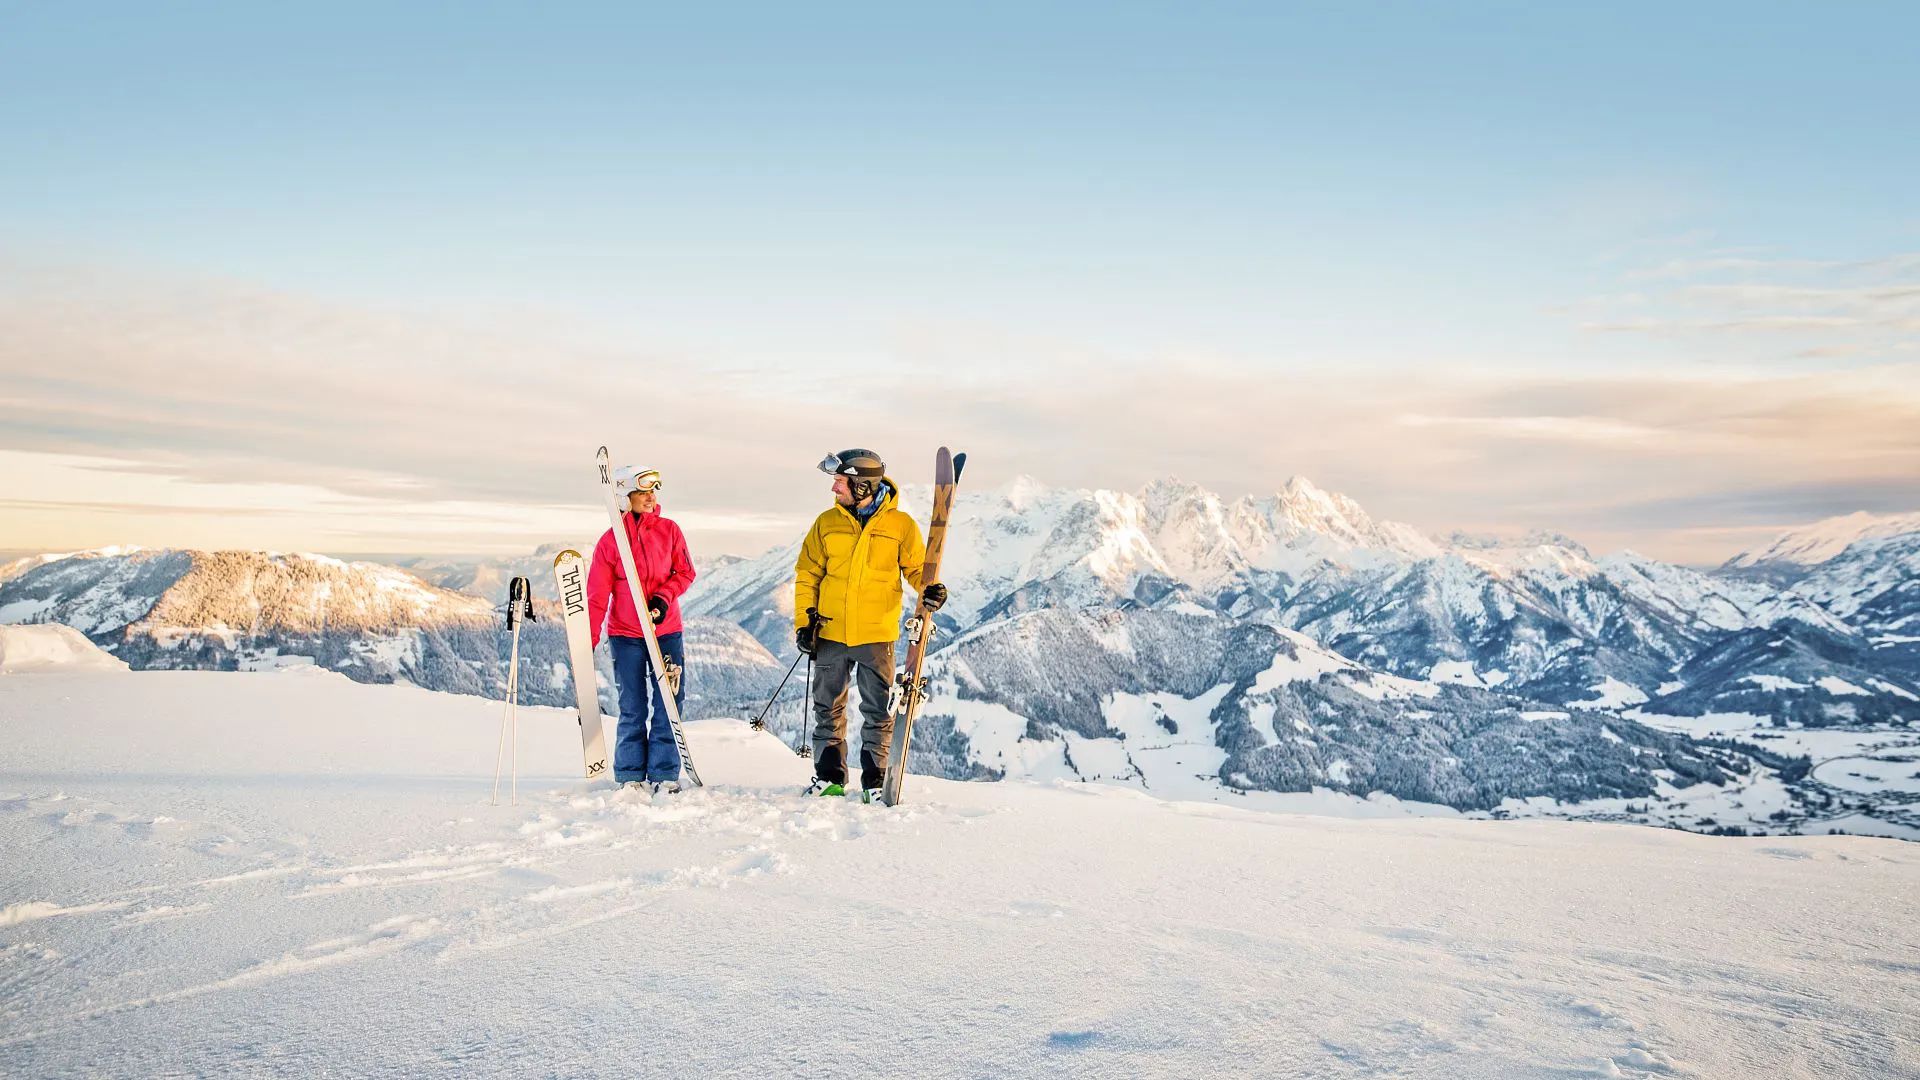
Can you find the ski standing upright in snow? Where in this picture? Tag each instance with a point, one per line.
(909, 687)
(570, 574)
(646, 625)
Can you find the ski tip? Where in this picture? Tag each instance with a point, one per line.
(959, 462)
(566, 554)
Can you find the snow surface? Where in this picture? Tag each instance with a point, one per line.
(1611, 693)
(1309, 662)
(51, 647)
(290, 873)
(1182, 766)
(1454, 671)
(1817, 743)
(1882, 684)
(1873, 775)
(20, 611)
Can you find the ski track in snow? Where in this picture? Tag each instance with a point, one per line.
(175, 916)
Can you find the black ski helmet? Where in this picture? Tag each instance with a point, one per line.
(862, 468)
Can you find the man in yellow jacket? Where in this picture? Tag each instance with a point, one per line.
(849, 571)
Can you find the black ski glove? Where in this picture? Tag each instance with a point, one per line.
(657, 609)
(933, 597)
(803, 639)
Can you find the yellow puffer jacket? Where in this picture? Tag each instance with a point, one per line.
(853, 575)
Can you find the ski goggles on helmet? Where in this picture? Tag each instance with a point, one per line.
(853, 463)
(647, 480)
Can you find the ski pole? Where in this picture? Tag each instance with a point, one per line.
(759, 723)
(513, 709)
(519, 604)
(508, 719)
(805, 749)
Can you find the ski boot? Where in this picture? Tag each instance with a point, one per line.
(666, 787)
(873, 796)
(824, 789)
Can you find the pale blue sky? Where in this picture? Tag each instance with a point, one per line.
(802, 194)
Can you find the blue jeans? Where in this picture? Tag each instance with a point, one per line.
(643, 747)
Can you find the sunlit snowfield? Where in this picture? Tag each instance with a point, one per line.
(291, 873)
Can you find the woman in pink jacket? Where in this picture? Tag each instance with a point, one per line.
(643, 748)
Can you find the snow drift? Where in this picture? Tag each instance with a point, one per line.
(50, 646)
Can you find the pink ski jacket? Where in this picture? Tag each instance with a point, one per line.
(666, 569)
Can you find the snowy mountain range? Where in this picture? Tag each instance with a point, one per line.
(1168, 638)
(241, 610)
(1539, 617)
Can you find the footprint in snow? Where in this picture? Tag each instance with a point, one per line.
(1072, 1040)
(1598, 1015)
(1413, 934)
(1643, 1061)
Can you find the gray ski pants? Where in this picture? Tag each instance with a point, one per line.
(833, 665)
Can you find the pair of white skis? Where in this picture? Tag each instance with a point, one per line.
(569, 572)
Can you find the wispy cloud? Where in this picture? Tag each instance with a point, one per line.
(1880, 300)
(1792, 309)
(1749, 265)
(1774, 324)
(294, 423)
(1576, 429)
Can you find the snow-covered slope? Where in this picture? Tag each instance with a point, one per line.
(1708, 603)
(1810, 545)
(1875, 586)
(226, 874)
(1865, 573)
(51, 648)
(1794, 674)
(15, 567)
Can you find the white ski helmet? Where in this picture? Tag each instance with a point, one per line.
(628, 479)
